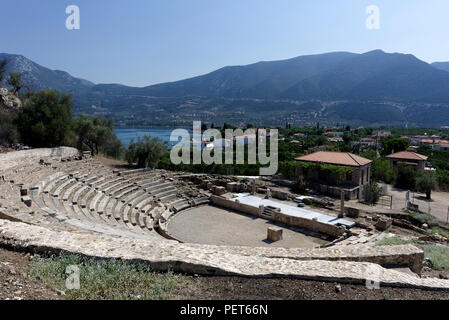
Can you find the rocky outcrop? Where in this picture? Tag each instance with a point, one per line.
(8, 100)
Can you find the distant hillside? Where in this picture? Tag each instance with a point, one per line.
(441, 65)
(39, 77)
(374, 75)
(259, 80)
(374, 87)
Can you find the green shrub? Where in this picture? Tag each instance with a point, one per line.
(371, 193)
(438, 255)
(105, 279)
(391, 241)
(425, 218)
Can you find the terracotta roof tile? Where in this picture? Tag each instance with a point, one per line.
(407, 155)
(338, 158)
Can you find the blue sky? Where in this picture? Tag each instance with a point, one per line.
(142, 42)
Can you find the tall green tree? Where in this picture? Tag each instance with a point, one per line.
(395, 144)
(405, 177)
(8, 129)
(45, 120)
(97, 134)
(146, 152)
(426, 182)
(3, 64)
(15, 81)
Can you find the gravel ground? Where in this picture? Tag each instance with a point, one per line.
(15, 284)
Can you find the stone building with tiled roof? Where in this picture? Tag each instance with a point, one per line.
(356, 178)
(407, 158)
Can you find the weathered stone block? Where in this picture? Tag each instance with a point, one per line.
(232, 187)
(274, 234)
(281, 195)
(384, 224)
(219, 191)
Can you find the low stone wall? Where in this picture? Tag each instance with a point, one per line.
(309, 224)
(229, 204)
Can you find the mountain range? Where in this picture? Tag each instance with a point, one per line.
(370, 88)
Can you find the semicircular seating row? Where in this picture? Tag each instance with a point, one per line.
(131, 201)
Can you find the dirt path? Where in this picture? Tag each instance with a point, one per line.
(438, 205)
(15, 284)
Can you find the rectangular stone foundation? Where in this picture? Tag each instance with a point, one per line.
(274, 234)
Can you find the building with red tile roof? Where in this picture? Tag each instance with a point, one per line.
(336, 158)
(407, 158)
(356, 179)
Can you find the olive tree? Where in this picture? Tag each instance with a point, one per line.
(146, 152)
(15, 81)
(426, 182)
(97, 135)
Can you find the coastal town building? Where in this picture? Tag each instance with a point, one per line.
(416, 160)
(356, 177)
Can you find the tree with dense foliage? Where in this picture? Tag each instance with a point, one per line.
(97, 134)
(405, 177)
(146, 152)
(426, 182)
(3, 64)
(15, 81)
(380, 167)
(372, 192)
(45, 120)
(8, 129)
(394, 145)
(381, 171)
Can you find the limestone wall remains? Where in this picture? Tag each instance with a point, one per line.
(309, 224)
